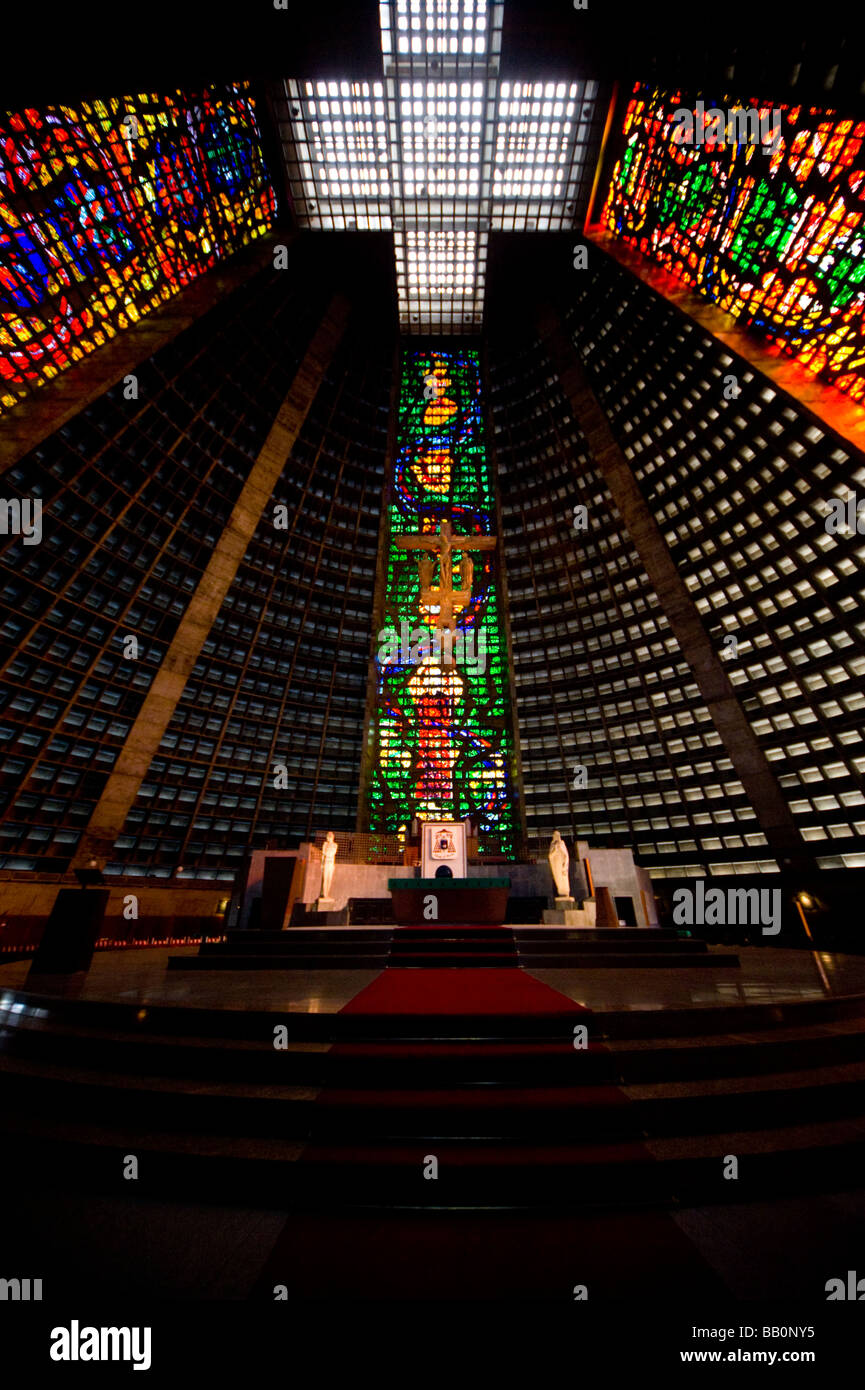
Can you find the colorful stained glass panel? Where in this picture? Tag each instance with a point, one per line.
(443, 741)
(109, 208)
(773, 232)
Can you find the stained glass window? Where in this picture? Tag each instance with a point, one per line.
(443, 730)
(773, 233)
(109, 208)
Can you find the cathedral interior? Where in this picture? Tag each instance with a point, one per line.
(433, 415)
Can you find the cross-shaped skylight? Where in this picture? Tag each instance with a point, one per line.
(439, 28)
(440, 152)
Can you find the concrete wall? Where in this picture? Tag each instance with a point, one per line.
(644, 881)
(354, 881)
(35, 899)
(615, 869)
(28, 897)
(370, 880)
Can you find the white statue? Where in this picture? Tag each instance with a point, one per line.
(328, 856)
(559, 860)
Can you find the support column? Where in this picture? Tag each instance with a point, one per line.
(751, 765)
(369, 751)
(145, 736)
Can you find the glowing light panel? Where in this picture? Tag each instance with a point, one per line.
(775, 236)
(108, 209)
(443, 743)
(438, 28)
(439, 146)
(440, 278)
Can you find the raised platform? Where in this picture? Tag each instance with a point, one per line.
(378, 912)
(373, 948)
(478, 1067)
(452, 946)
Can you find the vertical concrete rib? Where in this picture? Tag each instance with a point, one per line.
(145, 736)
(369, 751)
(749, 761)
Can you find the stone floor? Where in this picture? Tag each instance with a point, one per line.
(122, 1248)
(766, 975)
(128, 1247)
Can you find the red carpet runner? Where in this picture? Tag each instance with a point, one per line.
(473, 1253)
(486, 990)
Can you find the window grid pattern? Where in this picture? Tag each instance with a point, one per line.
(442, 29)
(440, 152)
(135, 497)
(264, 747)
(600, 679)
(741, 490)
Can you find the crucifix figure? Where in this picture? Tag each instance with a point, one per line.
(445, 596)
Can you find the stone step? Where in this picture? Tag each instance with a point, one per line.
(825, 1156)
(26, 1014)
(335, 959)
(549, 1113)
(429, 1061)
(648, 936)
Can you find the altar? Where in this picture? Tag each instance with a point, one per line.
(285, 888)
(440, 754)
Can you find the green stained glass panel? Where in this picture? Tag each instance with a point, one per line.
(443, 741)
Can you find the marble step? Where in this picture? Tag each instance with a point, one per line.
(825, 1156)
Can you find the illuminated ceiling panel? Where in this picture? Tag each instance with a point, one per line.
(340, 154)
(445, 29)
(440, 132)
(440, 279)
(440, 152)
(545, 133)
